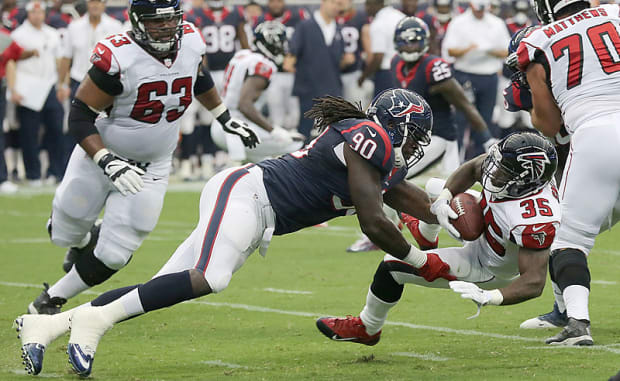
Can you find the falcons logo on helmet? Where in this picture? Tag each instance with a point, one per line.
(400, 108)
(535, 163)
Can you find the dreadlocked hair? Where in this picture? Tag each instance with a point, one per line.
(329, 109)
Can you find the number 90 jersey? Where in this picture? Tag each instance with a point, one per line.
(529, 222)
(580, 55)
(143, 122)
(311, 185)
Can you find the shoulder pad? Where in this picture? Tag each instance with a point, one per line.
(437, 70)
(369, 140)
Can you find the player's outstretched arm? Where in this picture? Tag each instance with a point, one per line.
(453, 92)
(365, 186)
(408, 198)
(546, 116)
(531, 282)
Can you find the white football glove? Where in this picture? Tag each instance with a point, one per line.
(441, 208)
(476, 294)
(286, 137)
(124, 176)
(240, 128)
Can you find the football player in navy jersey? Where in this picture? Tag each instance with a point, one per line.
(431, 77)
(358, 161)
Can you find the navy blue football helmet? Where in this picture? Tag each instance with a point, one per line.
(411, 32)
(269, 39)
(519, 165)
(160, 41)
(404, 115)
(512, 60)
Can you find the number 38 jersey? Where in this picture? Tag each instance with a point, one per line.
(311, 185)
(581, 56)
(429, 71)
(529, 222)
(143, 122)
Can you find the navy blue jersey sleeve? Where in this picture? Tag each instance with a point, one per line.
(437, 71)
(370, 141)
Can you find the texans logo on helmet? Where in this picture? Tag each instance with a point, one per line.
(400, 108)
(535, 163)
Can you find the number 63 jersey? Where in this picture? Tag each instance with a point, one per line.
(143, 121)
(581, 55)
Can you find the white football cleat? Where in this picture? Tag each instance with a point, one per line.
(36, 332)
(553, 319)
(362, 245)
(88, 325)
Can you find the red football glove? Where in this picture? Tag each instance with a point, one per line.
(435, 268)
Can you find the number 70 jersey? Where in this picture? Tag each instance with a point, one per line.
(143, 121)
(581, 55)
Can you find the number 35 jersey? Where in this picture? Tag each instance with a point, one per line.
(581, 56)
(311, 185)
(143, 122)
(529, 222)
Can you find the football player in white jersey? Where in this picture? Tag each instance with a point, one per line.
(143, 80)
(246, 77)
(572, 69)
(509, 260)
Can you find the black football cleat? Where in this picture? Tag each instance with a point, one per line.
(46, 305)
(576, 333)
(73, 253)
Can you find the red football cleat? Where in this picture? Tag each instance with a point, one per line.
(348, 329)
(413, 224)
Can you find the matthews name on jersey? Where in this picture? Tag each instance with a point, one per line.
(142, 123)
(529, 222)
(311, 186)
(427, 72)
(245, 63)
(219, 29)
(580, 55)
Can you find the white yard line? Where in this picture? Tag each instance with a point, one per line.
(281, 291)
(604, 282)
(609, 348)
(224, 364)
(33, 285)
(422, 356)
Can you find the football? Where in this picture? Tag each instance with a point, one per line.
(470, 222)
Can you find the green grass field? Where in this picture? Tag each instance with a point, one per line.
(256, 331)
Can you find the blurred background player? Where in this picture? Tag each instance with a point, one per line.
(223, 29)
(316, 56)
(248, 76)
(509, 259)
(123, 159)
(477, 40)
(32, 89)
(355, 33)
(384, 21)
(282, 105)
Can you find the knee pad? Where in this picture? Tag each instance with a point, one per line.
(384, 286)
(220, 282)
(569, 267)
(92, 270)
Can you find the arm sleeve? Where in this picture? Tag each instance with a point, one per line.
(110, 84)
(536, 236)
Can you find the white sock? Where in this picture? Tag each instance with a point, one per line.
(391, 214)
(124, 307)
(559, 299)
(429, 231)
(375, 313)
(68, 286)
(576, 299)
(84, 241)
